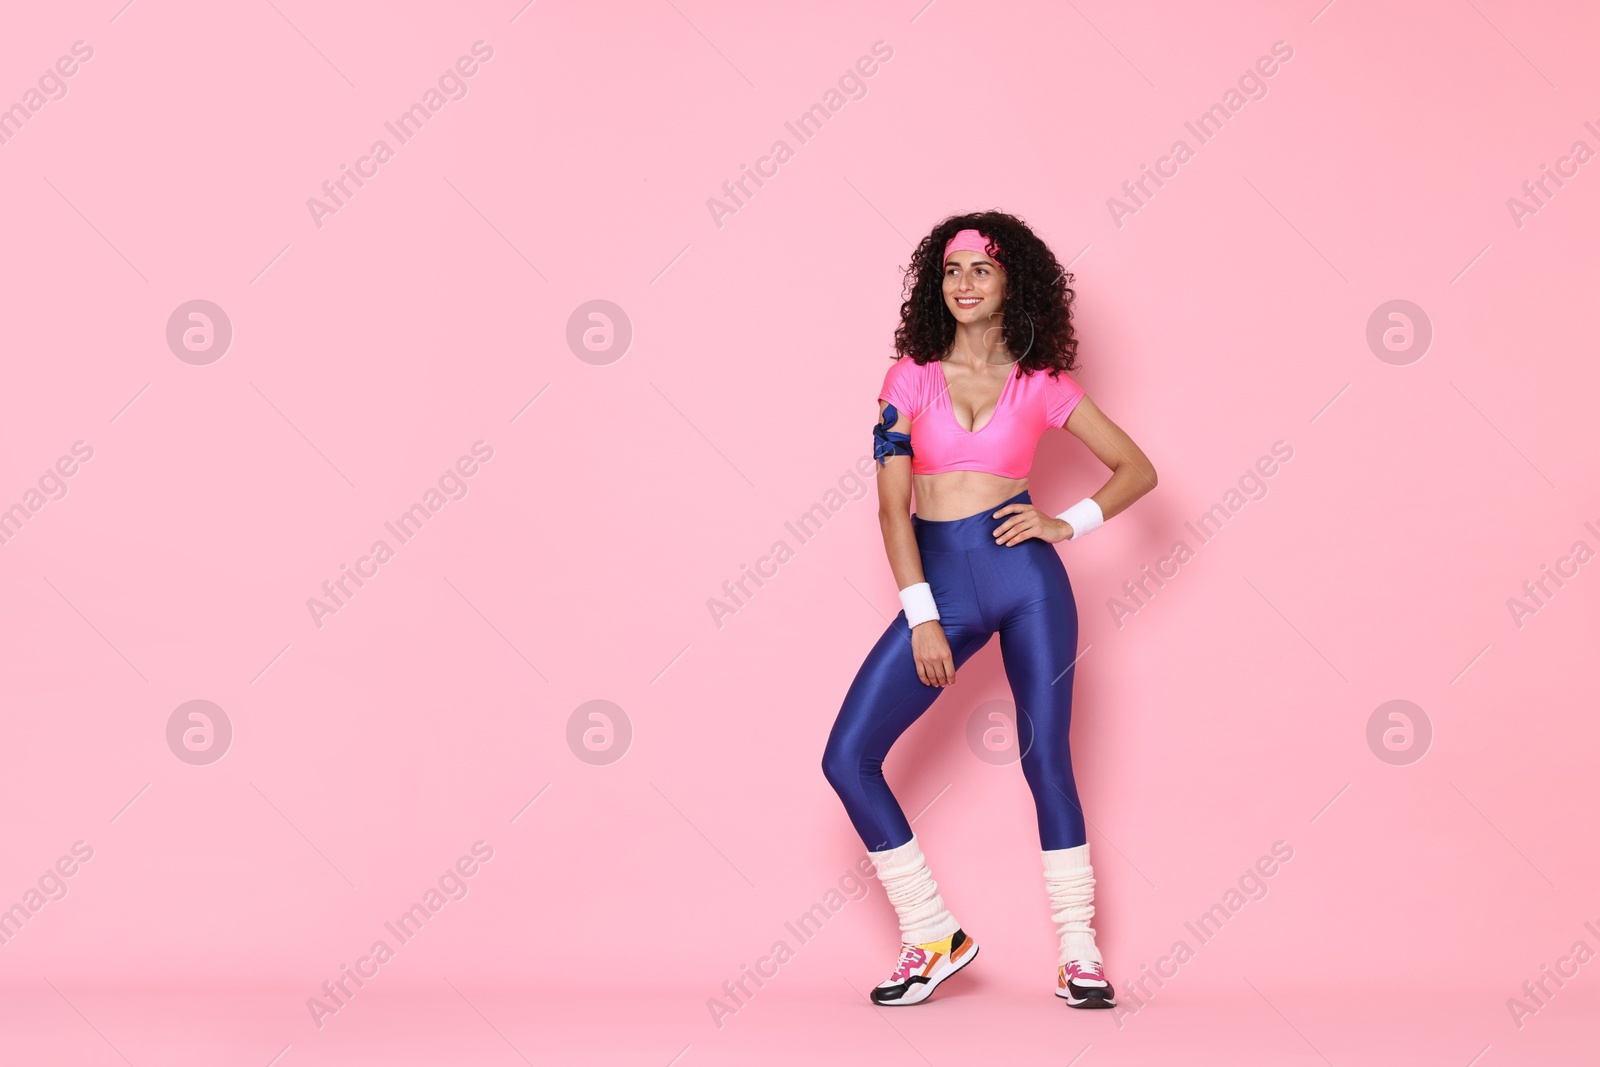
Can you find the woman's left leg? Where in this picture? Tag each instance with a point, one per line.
(1039, 645)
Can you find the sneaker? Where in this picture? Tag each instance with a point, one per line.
(922, 967)
(1082, 983)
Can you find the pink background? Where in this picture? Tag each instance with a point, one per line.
(1228, 313)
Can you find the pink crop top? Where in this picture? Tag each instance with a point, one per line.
(1029, 404)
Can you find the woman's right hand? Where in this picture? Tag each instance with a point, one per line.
(935, 665)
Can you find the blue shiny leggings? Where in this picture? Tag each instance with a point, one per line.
(980, 587)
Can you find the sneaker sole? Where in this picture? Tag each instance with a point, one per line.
(923, 990)
(1098, 999)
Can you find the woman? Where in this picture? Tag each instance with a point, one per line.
(988, 332)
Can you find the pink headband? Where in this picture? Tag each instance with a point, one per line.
(971, 241)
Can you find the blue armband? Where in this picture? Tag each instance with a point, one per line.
(886, 442)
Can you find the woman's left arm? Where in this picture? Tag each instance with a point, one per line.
(1132, 473)
(1132, 476)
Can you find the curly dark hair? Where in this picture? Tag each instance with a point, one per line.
(1038, 306)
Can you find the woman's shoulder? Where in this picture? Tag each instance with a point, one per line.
(909, 363)
(905, 385)
(906, 368)
(1055, 391)
(1047, 376)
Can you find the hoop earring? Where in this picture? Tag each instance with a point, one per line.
(1031, 335)
(1001, 328)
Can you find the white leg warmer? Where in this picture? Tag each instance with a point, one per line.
(1069, 881)
(914, 894)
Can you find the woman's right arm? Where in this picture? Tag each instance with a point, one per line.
(929, 646)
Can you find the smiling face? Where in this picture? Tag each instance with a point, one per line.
(974, 286)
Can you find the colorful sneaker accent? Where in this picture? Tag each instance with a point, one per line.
(921, 968)
(1082, 984)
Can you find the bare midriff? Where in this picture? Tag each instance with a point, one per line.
(958, 494)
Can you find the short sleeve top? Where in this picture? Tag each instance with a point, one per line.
(1029, 404)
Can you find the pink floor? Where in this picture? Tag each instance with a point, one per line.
(1231, 1023)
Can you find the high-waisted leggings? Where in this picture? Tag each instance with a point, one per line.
(981, 588)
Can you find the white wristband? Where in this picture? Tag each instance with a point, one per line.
(1083, 516)
(918, 602)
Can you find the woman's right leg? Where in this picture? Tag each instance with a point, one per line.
(883, 701)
